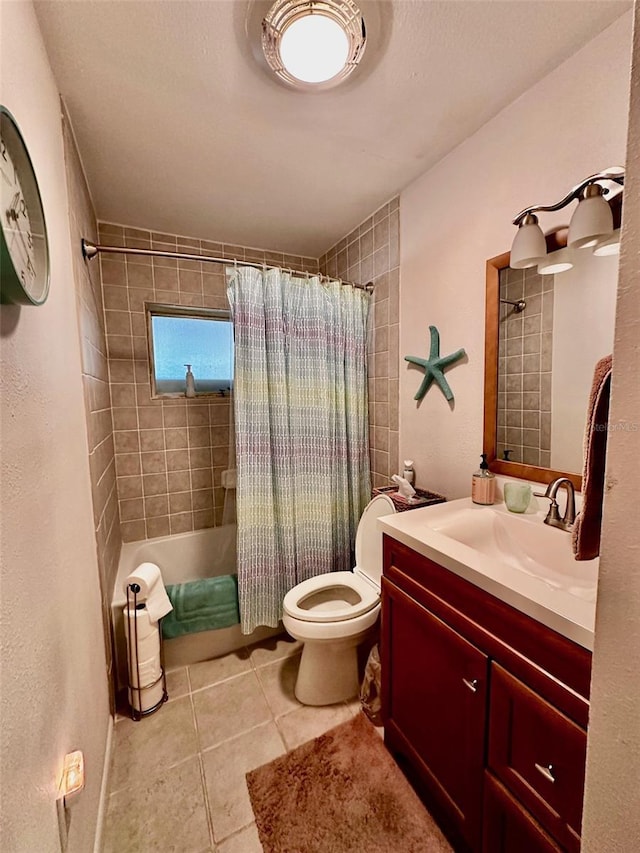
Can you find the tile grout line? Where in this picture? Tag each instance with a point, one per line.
(254, 668)
(158, 772)
(238, 831)
(203, 780)
(266, 699)
(208, 749)
(225, 680)
(205, 793)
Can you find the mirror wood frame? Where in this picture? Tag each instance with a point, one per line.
(492, 319)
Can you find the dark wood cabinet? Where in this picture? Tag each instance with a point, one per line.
(539, 754)
(438, 705)
(508, 827)
(484, 708)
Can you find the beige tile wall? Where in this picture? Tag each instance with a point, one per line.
(95, 379)
(169, 453)
(371, 252)
(524, 367)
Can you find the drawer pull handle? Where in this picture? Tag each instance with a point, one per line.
(546, 771)
(472, 685)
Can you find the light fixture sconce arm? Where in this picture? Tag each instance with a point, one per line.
(615, 175)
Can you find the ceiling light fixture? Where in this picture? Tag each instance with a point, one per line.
(591, 225)
(313, 44)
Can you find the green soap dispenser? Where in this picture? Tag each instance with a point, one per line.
(483, 484)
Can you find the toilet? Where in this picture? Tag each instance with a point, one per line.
(334, 612)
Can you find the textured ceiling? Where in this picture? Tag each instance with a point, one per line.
(181, 130)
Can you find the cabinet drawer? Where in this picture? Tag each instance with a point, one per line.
(539, 754)
(508, 827)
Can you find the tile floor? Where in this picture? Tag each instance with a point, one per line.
(178, 777)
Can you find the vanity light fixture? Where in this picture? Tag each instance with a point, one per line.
(592, 220)
(529, 244)
(609, 247)
(591, 225)
(559, 261)
(313, 44)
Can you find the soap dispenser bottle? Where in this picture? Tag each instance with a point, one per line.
(408, 473)
(483, 484)
(189, 383)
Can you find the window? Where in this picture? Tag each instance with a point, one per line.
(199, 337)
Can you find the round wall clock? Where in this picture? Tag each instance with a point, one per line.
(24, 258)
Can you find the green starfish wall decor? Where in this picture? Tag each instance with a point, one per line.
(434, 366)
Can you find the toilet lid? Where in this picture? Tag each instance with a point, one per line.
(369, 538)
(331, 597)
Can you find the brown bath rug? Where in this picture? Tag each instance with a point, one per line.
(340, 793)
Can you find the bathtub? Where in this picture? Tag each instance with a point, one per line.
(182, 557)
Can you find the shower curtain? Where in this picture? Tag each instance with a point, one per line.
(301, 412)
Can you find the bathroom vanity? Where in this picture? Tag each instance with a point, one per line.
(486, 672)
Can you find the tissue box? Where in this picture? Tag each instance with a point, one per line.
(424, 498)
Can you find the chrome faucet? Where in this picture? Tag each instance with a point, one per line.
(553, 516)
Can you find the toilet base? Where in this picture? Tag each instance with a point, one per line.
(328, 672)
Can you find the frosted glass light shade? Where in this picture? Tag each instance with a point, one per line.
(592, 221)
(529, 245)
(556, 262)
(610, 246)
(314, 48)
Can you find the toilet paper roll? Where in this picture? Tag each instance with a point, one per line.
(144, 668)
(152, 591)
(146, 698)
(147, 633)
(149, 673)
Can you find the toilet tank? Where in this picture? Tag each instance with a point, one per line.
(369, 539)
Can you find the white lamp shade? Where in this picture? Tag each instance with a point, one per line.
(610, 246)
(591, 223)
(559, 261)
(529, 247)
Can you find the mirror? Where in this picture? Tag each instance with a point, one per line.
(544, 335)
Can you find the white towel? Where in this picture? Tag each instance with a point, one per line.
(152, 591)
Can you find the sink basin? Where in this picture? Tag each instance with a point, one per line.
(516, 558)
(524, 543)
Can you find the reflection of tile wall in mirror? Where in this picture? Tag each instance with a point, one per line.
(524, 367)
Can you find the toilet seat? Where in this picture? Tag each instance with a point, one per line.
(342, 596)
(353, 596)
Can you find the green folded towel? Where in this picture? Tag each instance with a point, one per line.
(202, 605)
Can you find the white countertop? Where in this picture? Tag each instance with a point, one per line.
(568, 613)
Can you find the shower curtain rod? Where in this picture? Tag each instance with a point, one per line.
(91, 250)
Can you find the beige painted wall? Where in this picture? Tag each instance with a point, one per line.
(53, 675)
(454, 217)
(612, 802)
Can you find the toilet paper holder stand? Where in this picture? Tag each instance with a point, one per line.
(133, 590)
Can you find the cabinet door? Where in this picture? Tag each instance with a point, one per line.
(435, 697)
(508, 827)
(539, 754)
